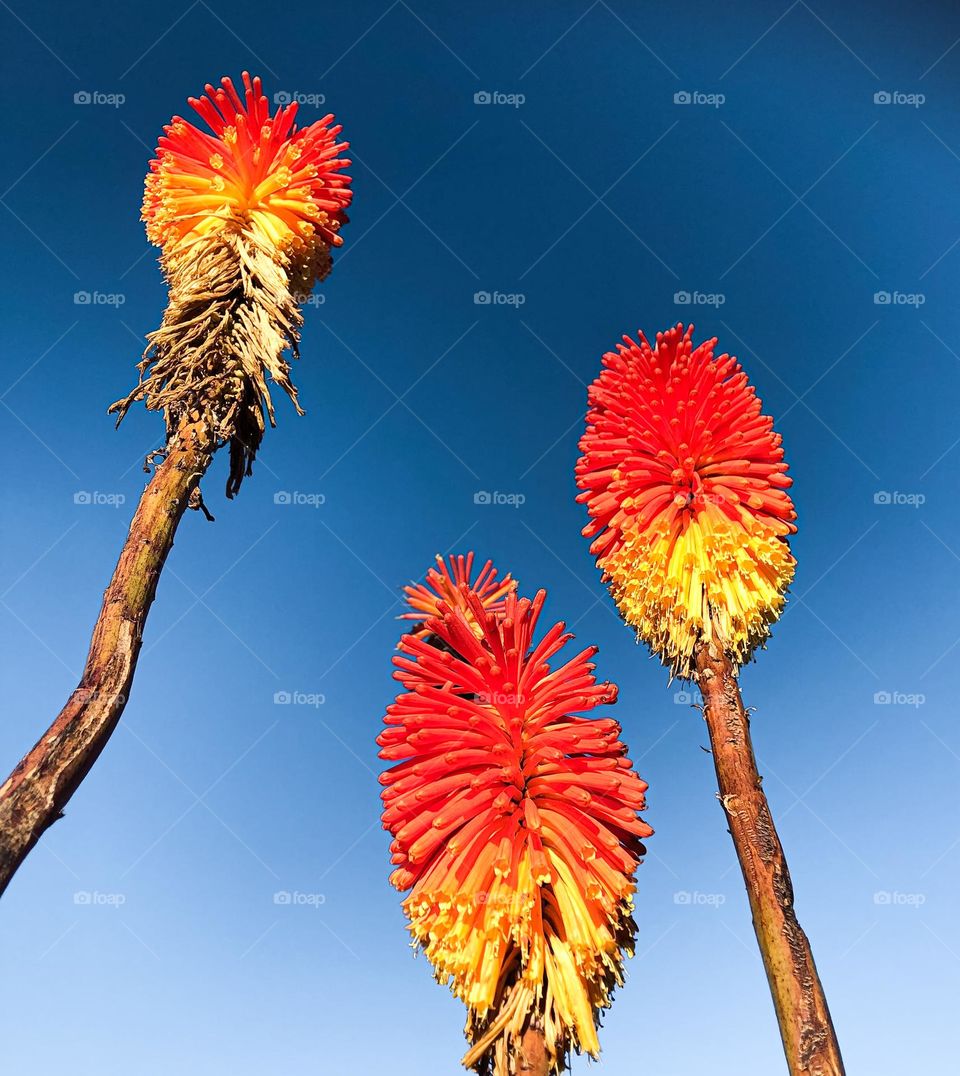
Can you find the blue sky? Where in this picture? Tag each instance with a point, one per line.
(144, 931)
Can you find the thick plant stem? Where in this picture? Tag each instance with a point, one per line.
(34, 795)
(809, 1041)
(534, 1059)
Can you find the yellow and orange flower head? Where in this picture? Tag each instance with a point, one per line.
(515, 824)
(245, 218)
(685, 484)
(452, 584)
(286, 184)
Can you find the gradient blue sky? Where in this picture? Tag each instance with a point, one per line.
(596, 200)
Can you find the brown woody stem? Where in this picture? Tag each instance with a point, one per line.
(534, 1059)
(34, 795)
(809, 1041)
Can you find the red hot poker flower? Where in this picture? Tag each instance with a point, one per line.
(515, 826)
(686, 487)
(452, 584)
(286, 183)
(246, 217)
(685, 484)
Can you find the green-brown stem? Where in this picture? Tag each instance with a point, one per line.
(809, 1041)
(34, 795)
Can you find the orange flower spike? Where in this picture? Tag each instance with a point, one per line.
(685, 484)
(285, 182)
(450, 583)
(515, 822)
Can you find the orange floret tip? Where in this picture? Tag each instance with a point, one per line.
(285, 183)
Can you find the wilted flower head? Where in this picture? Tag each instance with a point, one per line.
(685, 484)
(452, 584)
(515, 825)
(246, 218)
(286, 184)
